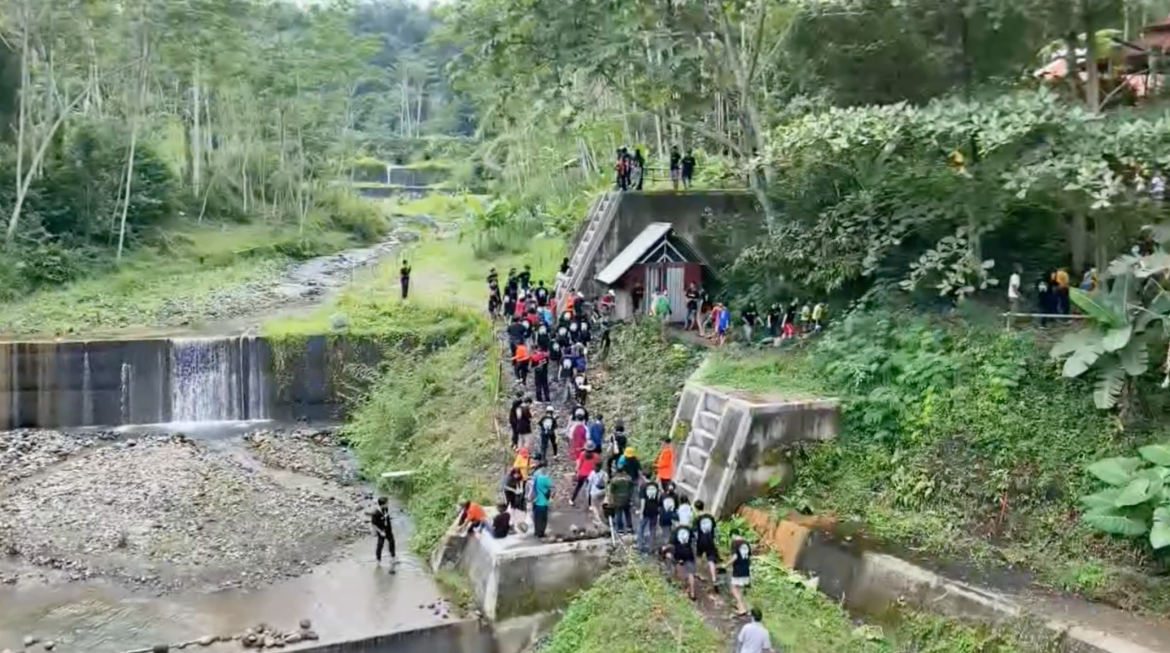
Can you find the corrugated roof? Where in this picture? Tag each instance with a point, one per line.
(649, 237)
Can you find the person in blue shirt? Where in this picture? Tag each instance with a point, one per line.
(542, 490)
(597, 432)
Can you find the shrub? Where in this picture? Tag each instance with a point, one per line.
(1138, 499)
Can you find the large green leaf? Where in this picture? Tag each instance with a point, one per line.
(1159, 454)
(1137, 492)
(1160, 531)
(1117, 338)
(1081, 360)
(1115, 523)
(1103, 500)
(1098, 305)
(1110, 383)
(1071, 342)
(1117, 472)
(1135, 359)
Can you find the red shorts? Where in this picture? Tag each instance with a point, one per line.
(789, 330)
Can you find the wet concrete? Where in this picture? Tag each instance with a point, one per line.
(352, 598)
(57, 384)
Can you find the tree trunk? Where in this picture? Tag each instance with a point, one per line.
(197, 132)
(34, 165)
(1093, 81)
(1078, 239)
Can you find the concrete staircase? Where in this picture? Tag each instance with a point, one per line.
(736, 442)
(601, 214)
(695, 461)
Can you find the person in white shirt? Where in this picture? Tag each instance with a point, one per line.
(754, 637)
(686, 514)
(1014, 289)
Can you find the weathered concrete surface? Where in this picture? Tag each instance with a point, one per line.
(520, 576)
(719, 223)
(521, 583)
(875, 583)
(54, 384)
(463, 636)
(737, 443)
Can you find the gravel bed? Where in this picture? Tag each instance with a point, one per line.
(166, 512)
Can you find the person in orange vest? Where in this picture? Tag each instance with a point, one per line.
(520, 363)
(664, 463)
(522, 463)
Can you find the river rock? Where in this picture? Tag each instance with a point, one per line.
(306, 624)
(29, 640)
(160, 648)
(206, 640)
(50, 645)
(310, 636)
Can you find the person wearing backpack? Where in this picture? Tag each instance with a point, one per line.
(651, 503)
(597, 483)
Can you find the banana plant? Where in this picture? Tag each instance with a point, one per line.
(1126, 319)
(1137, 502)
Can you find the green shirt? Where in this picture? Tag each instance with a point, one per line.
(662, 305)
(541, 489)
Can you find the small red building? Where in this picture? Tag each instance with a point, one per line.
(658, 258)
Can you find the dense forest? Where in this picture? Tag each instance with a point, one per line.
(125, 119)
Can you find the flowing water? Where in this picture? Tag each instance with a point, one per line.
(217, 380)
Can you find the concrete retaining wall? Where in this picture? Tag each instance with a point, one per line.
(869, 582)
(719, 223)
(114, 382)
(465, 636)
(737, 443)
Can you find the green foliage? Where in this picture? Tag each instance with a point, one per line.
(1127, 319)
(959, 441)
(938, 196)
(635, 604)
(644, 383)
(1138, 501)
(408, 419)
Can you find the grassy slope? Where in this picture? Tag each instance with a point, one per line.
(429, 410)
(644, 377)
(170, 285)
(983, 461)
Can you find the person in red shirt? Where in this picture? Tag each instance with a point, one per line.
(578, 434)
(585, 463)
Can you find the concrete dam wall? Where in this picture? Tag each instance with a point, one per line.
(160, 380)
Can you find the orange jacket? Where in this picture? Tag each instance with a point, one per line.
(521, 354)
(664, 464)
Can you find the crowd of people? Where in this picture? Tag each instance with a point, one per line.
(550, 338)
(631, 170)
(713, 320)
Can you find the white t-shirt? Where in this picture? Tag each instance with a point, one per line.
(1014, 286)
(685, 514)
(753, 638)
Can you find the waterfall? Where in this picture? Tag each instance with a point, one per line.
(86, 389)
(216, 379)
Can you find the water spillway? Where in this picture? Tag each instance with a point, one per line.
(56, 384)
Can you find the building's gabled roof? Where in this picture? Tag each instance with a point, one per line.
(655, 234)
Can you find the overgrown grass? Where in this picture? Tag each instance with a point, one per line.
(632, 609)
(180, 281)
(445, 273)
(801, 618)
(787, 373)
(961, 443)
(431, 411)
(644, 382)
